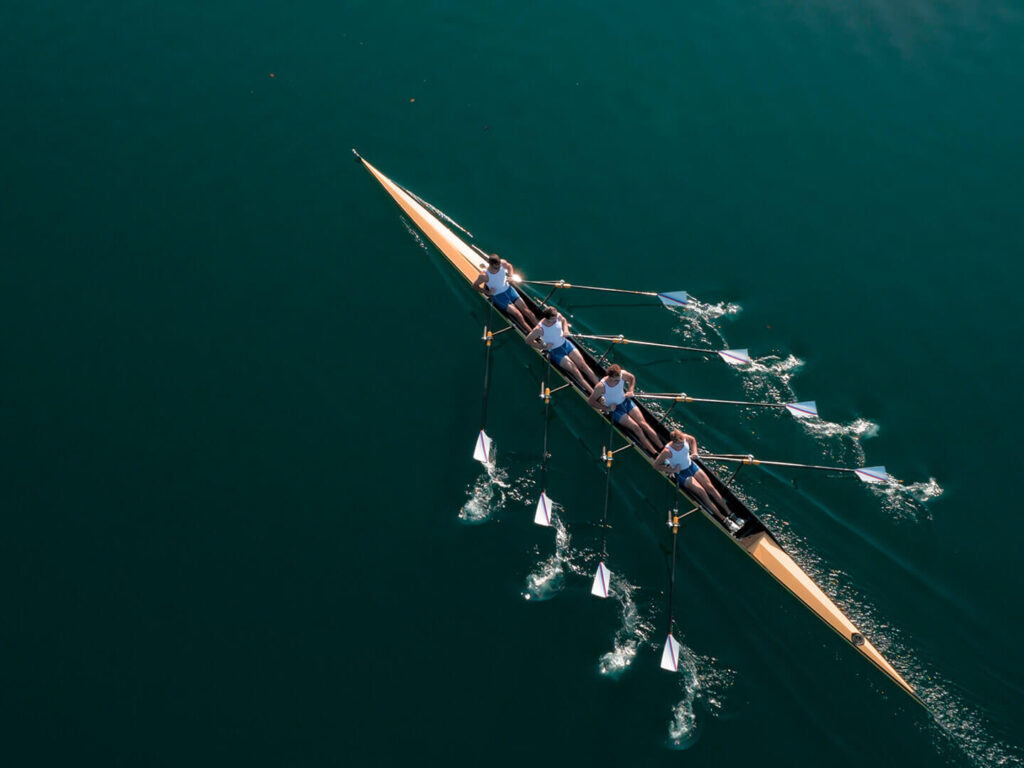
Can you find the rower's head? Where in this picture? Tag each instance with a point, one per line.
(494, 261)
(549, 313)
(614, 373)
(676, 435)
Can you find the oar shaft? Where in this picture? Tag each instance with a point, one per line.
(564, 284)
(623, 340)
(674, 527)
(607, 489)
(487, 372)
(684, 398)
(755, 462)
(547, 407)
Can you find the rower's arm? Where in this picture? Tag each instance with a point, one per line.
(509, 268)
(596, 395)
(478, 284)
(533, 337)
(565, 325)
(692, 442)
(660, 461)
(630, 383)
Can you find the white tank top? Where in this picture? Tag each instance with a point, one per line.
(552, 334)
(497, 282)
(680, 459)
(614, 395)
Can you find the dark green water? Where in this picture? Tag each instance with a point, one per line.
(238, 398)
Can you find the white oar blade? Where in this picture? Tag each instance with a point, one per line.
(601, 580)
(872, 474)
(674, 299)
(543, 514)
(735, 356)
(484, 449)
(670, 656)
(805, 410)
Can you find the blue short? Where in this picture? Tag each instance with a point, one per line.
(558, 354)
(506, 297)
(622, 409)
(685, 474)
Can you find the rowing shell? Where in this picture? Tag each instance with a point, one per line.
(754, 538)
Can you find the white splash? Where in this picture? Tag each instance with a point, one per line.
(682, 728)
(486, 495)
(634, 630)
(907, 501)
(703, 686)
(697, 321)
(547, 578)
(842, 441)
(769, 378)
(772, 374)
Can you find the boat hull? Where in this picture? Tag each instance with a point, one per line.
(754, 537)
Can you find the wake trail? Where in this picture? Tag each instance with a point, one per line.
(704, 687)
(486, 495)
(547, 578)
(955, 726)
(634, 630)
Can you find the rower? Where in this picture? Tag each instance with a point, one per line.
(551, 335)
(613, 395)
(494, 282)
(676, 461)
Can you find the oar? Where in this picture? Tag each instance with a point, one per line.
(543, 514)
(670, 655)
(483, 450)
(867, 474)
(676, 299)
(602, 576)
(805, 410)
(731, 356)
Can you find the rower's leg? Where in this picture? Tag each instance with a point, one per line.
(568, 365)
(517, 316)
(635, 427)
(697, 490)
(525, 310)
(647, 427)
(700, 477)
(577, 358)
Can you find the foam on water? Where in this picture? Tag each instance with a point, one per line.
(704, 687)
(634, 630)
(907, 501)
(486, 495)
(547, 578)
(696, 322)
(770, 379)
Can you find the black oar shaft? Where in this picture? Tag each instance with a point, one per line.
(607, 457)
(547, 407)
(672, 578)
(487, 369)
